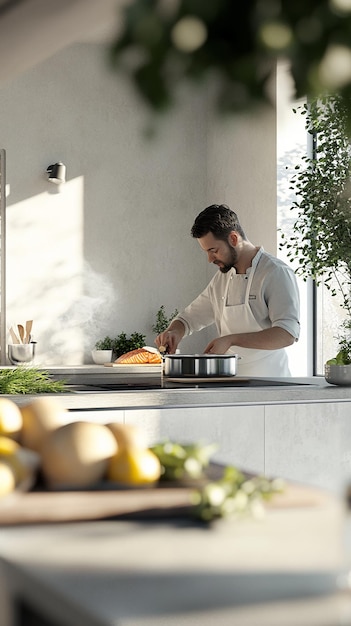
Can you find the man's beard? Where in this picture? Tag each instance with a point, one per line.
(233, 260)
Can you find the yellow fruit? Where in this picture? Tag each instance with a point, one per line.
(7, 478)
(22, 461)
(77, 454)
(134, 466)
(10, 418)
(127, 435)
(8, 445)
(9, 454)
(41, 416)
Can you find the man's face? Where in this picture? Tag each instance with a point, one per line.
(221, 253)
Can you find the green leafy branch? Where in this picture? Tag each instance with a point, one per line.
(234, 496)
(162, 44)
(162, 321)
(321, 239)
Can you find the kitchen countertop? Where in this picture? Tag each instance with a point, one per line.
(303, 390)
(284, 570)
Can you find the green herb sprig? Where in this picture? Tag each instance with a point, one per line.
(183, 461)
(27, 380)
(162, 321)
(234, 495)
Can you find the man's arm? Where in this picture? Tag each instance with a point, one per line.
(267, 339)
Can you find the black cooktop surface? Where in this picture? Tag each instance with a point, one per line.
(152, 384)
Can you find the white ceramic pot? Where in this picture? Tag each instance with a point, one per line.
(101, 356)
(338, 374)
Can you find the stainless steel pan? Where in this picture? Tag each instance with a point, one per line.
(200, 365)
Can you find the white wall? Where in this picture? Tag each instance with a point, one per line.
(101, 255)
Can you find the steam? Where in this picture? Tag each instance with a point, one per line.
(92, 311)
(86, 319)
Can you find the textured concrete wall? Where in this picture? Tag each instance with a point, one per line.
(102, 253)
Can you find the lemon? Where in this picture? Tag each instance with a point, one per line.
(7, 478)
(8, 446)
(76, 454)
(23, 462)
(134, 466)
(10, 454)
(127, 435)
(10, 418)
(41, 416)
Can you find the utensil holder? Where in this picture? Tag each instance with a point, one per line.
(21, 353)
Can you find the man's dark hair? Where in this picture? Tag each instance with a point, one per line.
(217, 219)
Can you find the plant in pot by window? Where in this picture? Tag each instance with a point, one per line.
(321, 238)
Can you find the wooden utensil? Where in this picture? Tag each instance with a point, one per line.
(14, 337)
(29, 324)
(21, 332)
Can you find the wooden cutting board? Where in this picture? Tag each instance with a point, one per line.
(149, 503)
(207, 379)
(136, 368)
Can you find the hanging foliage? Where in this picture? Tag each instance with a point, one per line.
(163, 43)
(321, 238)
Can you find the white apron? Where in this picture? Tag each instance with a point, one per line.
(240, 319)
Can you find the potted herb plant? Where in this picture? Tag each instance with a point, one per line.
(321, 238)
(109, 349)
(103, 351)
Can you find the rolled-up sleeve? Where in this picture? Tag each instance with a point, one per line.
(283, 300)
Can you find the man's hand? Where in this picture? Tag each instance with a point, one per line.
(171, 337)
(219, 346)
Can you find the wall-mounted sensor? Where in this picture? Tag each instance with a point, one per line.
(57, 173)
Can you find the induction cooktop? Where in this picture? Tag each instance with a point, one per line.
(185, 383)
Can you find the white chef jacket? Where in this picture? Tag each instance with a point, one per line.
(273, 298)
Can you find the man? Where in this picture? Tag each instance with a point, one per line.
(253, 299)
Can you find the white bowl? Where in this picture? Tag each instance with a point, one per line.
(338, 374)
(101, 356)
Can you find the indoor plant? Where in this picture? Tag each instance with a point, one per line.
(122, 344)
(103, 351)
(104, 344)
(162, 321)
(111, 348)
(321, 239)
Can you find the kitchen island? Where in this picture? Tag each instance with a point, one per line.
(297, 428)
(287, 569)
